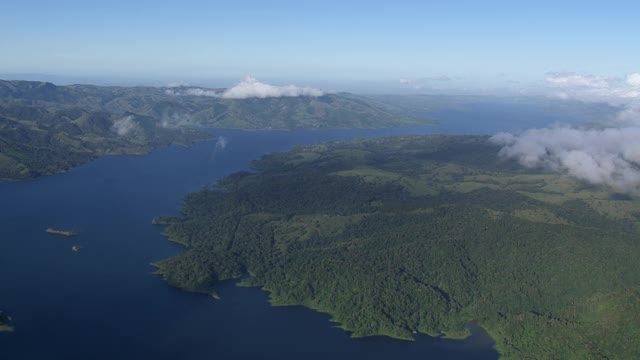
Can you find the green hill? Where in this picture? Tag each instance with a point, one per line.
(176, 106)
(46, 129)
(37, 140)
(424, 233)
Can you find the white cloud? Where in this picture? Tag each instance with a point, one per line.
(221, 142)
(124, 125)
(629, 116)
(251, 88)
(633, 80)
(574, 80)
(594, 88)
(610, 155)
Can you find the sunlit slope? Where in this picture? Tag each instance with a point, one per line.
(424, 233)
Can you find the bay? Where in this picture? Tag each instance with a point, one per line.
(103, 302)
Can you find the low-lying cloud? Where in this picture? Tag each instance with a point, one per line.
(124, 126)
(633, 80)
(221, 144)
(592, 88)
(574, 80)
(248, 88)
(608, 155)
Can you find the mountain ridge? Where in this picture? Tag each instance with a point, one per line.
(47, 129)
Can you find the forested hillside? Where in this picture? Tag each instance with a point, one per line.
(46, 129)
(424, 233)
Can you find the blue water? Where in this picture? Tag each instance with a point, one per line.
(492, 117)
(104, 302)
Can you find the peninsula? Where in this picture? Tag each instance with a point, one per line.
(424, 233)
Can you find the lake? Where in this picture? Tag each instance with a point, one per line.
(103, 302)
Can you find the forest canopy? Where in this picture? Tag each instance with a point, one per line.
(423, 233)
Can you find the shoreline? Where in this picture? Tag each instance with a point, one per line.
(99, 154)
(206, 130)
(353, 333)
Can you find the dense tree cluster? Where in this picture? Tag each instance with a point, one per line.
(341, 228)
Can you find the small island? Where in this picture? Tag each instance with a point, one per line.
(422, 234)
(62, 232)
(3, 323)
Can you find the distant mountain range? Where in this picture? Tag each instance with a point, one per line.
(46, 129)
(200, 106)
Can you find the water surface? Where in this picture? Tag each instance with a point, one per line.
(103, 302)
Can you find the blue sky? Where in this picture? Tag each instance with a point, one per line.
(469, 43)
